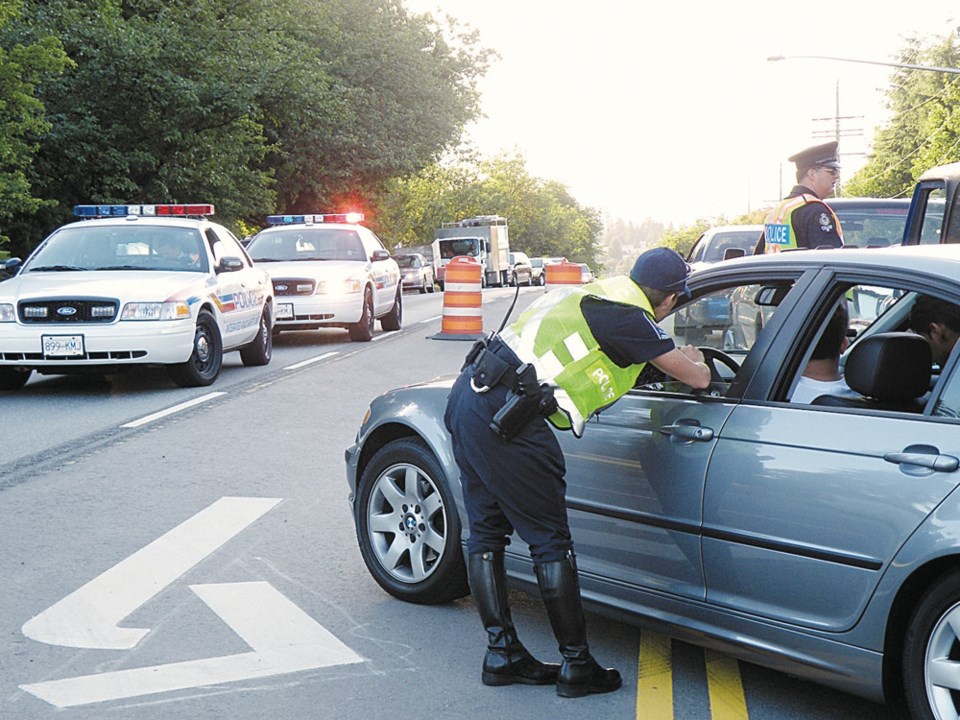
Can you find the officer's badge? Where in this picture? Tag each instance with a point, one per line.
(826, 222)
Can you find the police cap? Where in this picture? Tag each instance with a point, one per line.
(661, 269)
(826, 155)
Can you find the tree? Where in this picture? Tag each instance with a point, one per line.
(22, 67)
(925, 128)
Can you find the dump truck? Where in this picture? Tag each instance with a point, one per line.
(484, 237)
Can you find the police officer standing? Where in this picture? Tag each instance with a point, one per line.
(802, 220)
(571, 353)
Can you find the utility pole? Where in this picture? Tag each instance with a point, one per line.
(837, 132)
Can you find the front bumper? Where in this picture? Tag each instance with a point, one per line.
(120, 343)
(317, 310)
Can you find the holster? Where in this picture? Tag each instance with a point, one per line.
(524, 402)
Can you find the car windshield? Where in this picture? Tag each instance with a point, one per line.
(744, 240)
(407, 261)
(121, 247)
(872, 226)
(306, 243)
(453, 247)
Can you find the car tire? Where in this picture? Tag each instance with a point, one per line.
(408, 526)
(430, 287)
(393, 320)
(932, 642)
(12, 378)
(205, 361)
(542, 280)
(423, 286)
(362, 331)
(260, 350)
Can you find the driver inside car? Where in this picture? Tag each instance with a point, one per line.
(822, 375)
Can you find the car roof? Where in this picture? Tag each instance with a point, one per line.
(733, 228)
(937, 260)
(186, 222)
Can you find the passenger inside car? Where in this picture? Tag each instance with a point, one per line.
(822, 375)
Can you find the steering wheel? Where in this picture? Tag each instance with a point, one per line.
(712, 356)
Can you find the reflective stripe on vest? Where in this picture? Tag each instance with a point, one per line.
(554, 337)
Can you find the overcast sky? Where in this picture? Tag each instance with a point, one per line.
(671, 110)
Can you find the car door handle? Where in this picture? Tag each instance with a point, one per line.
(688, 432)
(940, 463)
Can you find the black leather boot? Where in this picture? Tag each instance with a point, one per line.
(507, 661)
(579, 673)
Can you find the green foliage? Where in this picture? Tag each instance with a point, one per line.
(544, 218)
(22, 67)
(925, 127)
(254, 105)
(683, 238)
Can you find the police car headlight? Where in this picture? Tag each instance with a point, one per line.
(176, 310)
(339, 287)
(6, 313)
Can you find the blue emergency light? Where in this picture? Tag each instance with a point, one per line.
(98, 211)
(351, 218)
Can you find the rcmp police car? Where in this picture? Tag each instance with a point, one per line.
(135, 285)
(329, 271)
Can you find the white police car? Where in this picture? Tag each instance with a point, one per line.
(329, 271)
(135, 285)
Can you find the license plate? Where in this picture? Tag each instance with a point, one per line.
(284, 311)
(62, 345)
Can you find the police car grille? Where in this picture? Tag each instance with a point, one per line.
(293, 286)
(68, 311)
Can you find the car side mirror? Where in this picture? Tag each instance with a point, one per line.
(10, 267)
(229, 264)
(380, 255)
(731, 253)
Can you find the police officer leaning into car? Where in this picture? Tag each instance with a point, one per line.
(802, 220)
(570, 354)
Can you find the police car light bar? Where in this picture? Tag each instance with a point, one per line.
(351, 218)
(92, 211)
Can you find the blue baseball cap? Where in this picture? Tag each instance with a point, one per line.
(662, 268)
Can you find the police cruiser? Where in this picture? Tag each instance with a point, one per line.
(135, 285)
(329, 271)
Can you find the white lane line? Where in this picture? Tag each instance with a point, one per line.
(431, 319)
(310, 361)
(283, 637)
(88, 617)
(378, 337)
(172, 410)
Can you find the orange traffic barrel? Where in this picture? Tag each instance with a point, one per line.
(462, 300)
(563, 273)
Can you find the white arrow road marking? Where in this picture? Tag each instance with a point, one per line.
(88, 617)
(283, 637)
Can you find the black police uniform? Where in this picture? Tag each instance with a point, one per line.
(519, 485)
(813, 222)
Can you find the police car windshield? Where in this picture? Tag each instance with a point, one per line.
(722, 242)
(121, 248)
(306, 243)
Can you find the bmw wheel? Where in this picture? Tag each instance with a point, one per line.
(408, 527)
(931, 653)
(205, 361)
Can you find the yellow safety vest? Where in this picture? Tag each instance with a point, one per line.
(778, 231)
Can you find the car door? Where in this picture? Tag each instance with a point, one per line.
(805, 506)
(635, 480)
(240, 293)
(384, 272)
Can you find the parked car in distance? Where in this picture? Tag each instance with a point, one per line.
(415, 272)
(586, 274)
(521, 271)
(820, 539)
(539, 265)
(722, 243)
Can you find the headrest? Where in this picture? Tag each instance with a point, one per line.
(890, 366)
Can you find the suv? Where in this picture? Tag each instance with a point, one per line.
(871, 222)
(134, 285)
(416, 272)
(520, 271)
(329, 271)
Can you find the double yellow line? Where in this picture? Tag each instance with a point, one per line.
(655, 682)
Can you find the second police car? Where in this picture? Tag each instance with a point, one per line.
(329, 271)
(135, 285)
